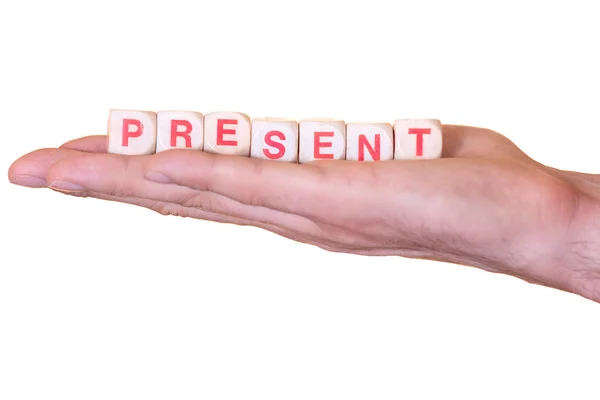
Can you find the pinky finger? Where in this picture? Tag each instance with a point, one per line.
(173, 209)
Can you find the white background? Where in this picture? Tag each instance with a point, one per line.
(102, 300)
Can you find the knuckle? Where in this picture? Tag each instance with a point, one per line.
(81, 194)
(201, 201)
(167, 209)
(160, 207)
(204, 204)
(120, 191)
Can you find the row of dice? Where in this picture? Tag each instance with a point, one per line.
(134, 132)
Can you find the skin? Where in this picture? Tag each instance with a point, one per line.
(484, 204)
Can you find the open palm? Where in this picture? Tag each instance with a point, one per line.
(484, 203)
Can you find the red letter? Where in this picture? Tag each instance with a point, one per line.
(221, 131)
(139, 129)
(185, 134)
(279, 146)
(319, 144)
(419, 132)
(363, 142)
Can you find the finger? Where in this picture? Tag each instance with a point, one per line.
(288, 187)
(356, 192)
(90, 144)
(30, 170)
(178, 210)
(109, 177)
(458, 141)
(124, 177)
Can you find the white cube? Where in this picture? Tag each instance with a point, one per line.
(275, 139)
(417, 139)
(131, 132)
(369, 141)
(179, 129)
(322, 139)
(227, 132)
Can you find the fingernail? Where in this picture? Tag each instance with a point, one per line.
(65, 186)
(158, 177)
(29, 181)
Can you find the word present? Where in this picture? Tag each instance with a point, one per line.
(134, 132)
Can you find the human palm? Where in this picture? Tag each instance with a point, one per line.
(484, 203)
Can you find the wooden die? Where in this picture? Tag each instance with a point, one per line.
(322, 139)
(179, 129)
(275, 139)
(417, 139)
(227, 132)
(131, 132)
(369, 141)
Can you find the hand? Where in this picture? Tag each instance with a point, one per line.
(483, 204)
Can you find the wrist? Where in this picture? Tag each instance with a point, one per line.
(580, 256)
